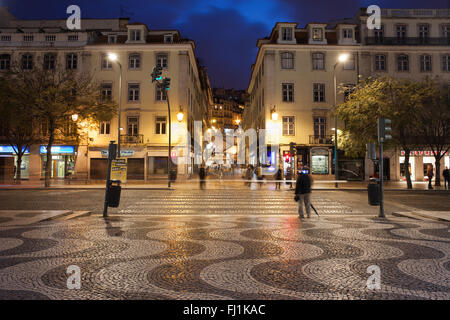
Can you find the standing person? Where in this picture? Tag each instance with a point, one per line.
(259, 175)
(289, 177)
(430, 176)
(278, 177)
(303, 193)
(248, 175)
(202, 176)
(446, 174)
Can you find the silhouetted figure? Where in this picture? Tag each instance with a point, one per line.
(278, 177)
(202, 176)
(430, 176)
(303, 193)
(446, 174)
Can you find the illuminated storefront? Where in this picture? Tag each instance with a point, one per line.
(419, 161)
(63, 161)
(25, 166)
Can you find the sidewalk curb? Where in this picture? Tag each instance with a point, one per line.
(417, 215)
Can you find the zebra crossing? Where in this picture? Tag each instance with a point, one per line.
(228, 202)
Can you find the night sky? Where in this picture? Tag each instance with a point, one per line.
(225, 31)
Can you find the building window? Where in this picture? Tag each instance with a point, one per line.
(424, 32)
(160, 94)
(320, 127)
(112, 39)
(72, 37)
(288, 92)
(287, 60)
(106, 62)
(135, 35)
(379, 34)
(349, 64)
(5, 61)
(133, 92)
(106, 92)
(425, 63)
(49, 61)
(27, 62)
(317, 34)
(71, 61)
(168, 38)
(401, 32)
(133, 126)
(347, 33)
(446, 63)
(105, 127)
(318, 61)
(445, 29)
(402, 62)
(161, 123)
(380, 62)
(319, 92)
(162, 60)
(286, 34)
(51, 38)
(134, 61)
(288, 126)
(28, 38)
(5, 38)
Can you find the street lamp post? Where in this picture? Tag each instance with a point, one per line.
(113, 57)
(342, 58)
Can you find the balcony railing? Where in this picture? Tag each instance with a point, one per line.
(443, 41)
(132, 139)
(321, 139)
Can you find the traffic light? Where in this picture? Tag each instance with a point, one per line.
(156, 74)
(287, 158)
(292, 149)
(384, 129)
(166, 84)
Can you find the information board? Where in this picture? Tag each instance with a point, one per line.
(119, 170)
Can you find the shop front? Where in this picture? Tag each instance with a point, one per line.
(419, 162)
(24, 167)
(63, 161)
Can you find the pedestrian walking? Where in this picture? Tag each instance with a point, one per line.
(248, 175)
(259, 175)
(202, 176)
(278, 177)
(430, 176)
(303, 193)
(446, 174)
(289, 177)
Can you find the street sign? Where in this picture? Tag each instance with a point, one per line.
(123, 153)
(119, 170)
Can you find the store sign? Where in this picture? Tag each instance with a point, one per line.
(58, 150)
(10, 150)
(423, 153)
(119, 170)
(123, 153)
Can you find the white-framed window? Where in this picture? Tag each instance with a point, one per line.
(168, 38)
(401, 31)
(133, 126)
(286, 34)
(160, 125)
(28, 38)
(445, 31)
(72, 37)
(49, 61)
(379, 34)
(71, 61)
(27, 61)
(134, 90)
(112, 38)
(287, 60)
(288, 126)
(5, 38)
(347, 33)
(160, 94)
(317, 34)
(134, 61)
(425, 63)
(106, 91)
(5, 61)
(320, 127)
(135, 35)
(106, 62)
(50, 38)
(162, 60)
(318, 92)
(349, 64)
(288, 92)
(105, 127)
(402, 62)
(318, 61)
(380, 62)
(446, 62)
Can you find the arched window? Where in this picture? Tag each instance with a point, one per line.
(318, 61)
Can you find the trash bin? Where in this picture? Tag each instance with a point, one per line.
(373, 191)
(114, 194)
(173, 175)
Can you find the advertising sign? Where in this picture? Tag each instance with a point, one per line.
(58, 150)
(119, 170)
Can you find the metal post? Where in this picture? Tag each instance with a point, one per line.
(120, 104)
(381, 215)
(336, 174)
(169, 159)
(108, 177)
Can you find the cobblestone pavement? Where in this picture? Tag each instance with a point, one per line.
(140, 256)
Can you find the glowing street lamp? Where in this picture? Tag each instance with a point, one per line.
(180, 115)
(113, 58)
(274, 114)
(74, 117)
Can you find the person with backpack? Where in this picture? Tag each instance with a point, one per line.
(303, 193)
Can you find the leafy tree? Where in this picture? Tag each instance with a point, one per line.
(398, 100)
(53, 96)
